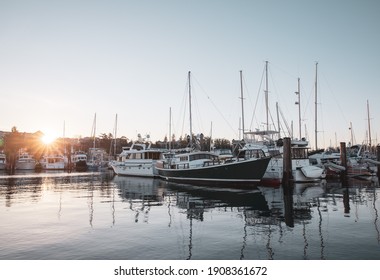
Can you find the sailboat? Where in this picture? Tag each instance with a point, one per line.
(204, 166)
(302, 170)
(96, 155)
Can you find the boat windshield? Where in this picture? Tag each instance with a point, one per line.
(202, 156)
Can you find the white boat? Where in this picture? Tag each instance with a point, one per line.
(53, 162)
(25, 161)
(96, 156)
(302, 169)
(79, 161)
(137, 160)
(3, 161)
(359, 162)
(272, 144)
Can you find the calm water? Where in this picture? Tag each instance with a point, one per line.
(100, 216)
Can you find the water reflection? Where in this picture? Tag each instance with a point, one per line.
(141, 194)
(184, 221)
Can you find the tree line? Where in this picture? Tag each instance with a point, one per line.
(15, 141)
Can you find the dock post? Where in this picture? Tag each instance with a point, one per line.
(343, 160)
(287, 176)
(289, 208)
(346, 201)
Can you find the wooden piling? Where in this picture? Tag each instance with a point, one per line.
(346, 201)
(287, 176)
(289, 208)
(343, 160)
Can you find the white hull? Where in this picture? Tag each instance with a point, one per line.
(54, 166)
(302, 171)
(53, 163)
(143, 168)
(25, 165)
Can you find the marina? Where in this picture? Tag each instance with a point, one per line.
(102, 216)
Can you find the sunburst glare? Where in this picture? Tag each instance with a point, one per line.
(48, 138)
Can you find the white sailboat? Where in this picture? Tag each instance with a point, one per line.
(302, 170)
(96, 156)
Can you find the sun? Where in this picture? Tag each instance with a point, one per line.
(48, 139)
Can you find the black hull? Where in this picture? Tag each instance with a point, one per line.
(243, 171)
(81, 166)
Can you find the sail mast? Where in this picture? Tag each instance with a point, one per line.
(114, 144)
(191, 128)
(316, 103)
(278, 121)
(64, 141)
(266, 94)
(170, 128)
(352, 134)
(369, 127)
(299, 108)
(94, 129)
(242, 101)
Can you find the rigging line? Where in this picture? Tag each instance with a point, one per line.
(198, 116)
(273, 84)
(213, 104)
(183, 107)
(276, 91)
(273, 122)
(323, 125)
(287, 73)
(247, 96)
(305, 107)
(284, 120)
(336, 101)
(283, 70)
(311, 94)
(257, 99)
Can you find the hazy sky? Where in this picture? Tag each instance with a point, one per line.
(63, 61)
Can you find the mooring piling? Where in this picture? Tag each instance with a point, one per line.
(343, 160)
(287, 176)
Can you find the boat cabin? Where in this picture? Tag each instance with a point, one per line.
(193, 160)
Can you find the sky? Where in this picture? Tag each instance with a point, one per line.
(62, 62)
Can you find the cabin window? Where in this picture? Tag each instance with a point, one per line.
(254, 154)
(152, 155)
(136, 156)
(299, 153)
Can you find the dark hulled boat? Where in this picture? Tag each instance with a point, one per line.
(207, 167)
